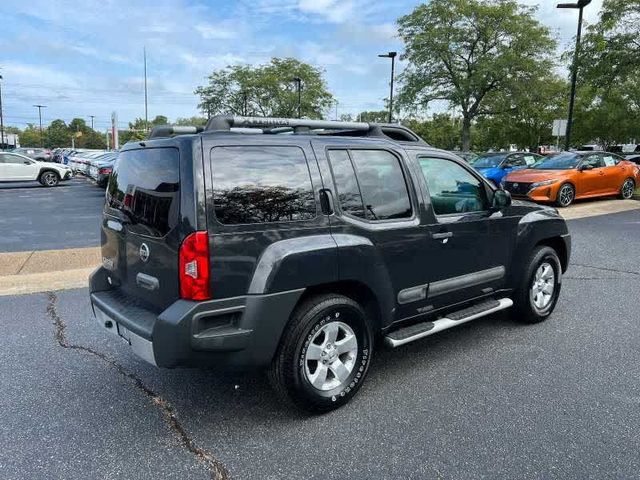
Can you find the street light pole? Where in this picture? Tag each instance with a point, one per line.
(298, 81)
(392, 56)
(574, 69)
(92, 117)
(40, 107)
(1, 118)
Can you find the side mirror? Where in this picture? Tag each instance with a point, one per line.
(501, 199)
(585, 167)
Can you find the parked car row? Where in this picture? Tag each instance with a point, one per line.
(95, 164)
(559, 177)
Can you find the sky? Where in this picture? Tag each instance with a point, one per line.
(83, 58)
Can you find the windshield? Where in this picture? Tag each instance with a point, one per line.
(488, 161)
(561, 161)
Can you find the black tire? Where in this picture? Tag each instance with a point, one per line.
(288, 371)
(565, 201)
(524, 308)
(49, 178)
(627, 189)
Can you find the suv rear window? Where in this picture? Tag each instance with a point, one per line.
(145, 187)
(261, 185)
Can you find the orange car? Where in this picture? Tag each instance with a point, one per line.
(566, 176)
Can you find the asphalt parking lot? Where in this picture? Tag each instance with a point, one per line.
(489, 399)
(31, 215)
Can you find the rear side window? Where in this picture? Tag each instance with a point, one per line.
(347, 186)
(145, 187)
(261, 185)
(382, 184)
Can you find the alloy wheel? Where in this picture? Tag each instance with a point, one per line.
(331, 356)
(541, 291)
(50, 179)
(566, 195)
(627, 189)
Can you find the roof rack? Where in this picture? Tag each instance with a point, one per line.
(273, 125)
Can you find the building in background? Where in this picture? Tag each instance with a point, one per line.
(11, 140)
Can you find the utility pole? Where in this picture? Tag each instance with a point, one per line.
(1, 118)
(392, 56)
(40, 107)
(298, 81)
(146, 118)
(574, 73)
(336, 110)
(92, 117)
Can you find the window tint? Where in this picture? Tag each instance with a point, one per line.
(261, 185)
(610, 160)
(382, 184)
(145, 186)
(8, 158)
(452, 188)
(594, 160)
(347, 186)
(516, 160)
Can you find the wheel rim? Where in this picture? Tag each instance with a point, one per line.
(627, 189)
(50, 179)
(543, 286)
(566, 195)
(331, 356)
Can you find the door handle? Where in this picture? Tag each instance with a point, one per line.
(442, 236)
(326, 201)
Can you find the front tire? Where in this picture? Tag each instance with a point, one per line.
(627, 189)
(324, 354)
(49, 179)
(566, 195)
(539, 289)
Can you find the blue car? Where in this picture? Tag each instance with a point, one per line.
(496, 166)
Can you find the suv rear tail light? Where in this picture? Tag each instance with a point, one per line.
(194, 267)
(104, 171)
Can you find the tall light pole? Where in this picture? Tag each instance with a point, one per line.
(92, 117)
(40, 107)
(392, 56)
(1, 118)
(580, 4)
(298, 81)
(146, 119)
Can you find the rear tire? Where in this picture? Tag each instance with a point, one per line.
(627, 189)
(324, 354)
(539, 289)
(49, 179)
(566, 195)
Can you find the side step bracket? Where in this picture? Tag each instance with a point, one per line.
(415, 332)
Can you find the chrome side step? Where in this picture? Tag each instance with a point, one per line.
(415, 332)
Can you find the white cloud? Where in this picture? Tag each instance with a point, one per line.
(220, 31)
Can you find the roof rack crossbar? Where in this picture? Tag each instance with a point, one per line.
(226, 122)
(168, 130)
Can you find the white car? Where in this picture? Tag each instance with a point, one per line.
(18, 168)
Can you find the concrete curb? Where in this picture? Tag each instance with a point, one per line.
(40, 271)
(599, 207)
(44, 281)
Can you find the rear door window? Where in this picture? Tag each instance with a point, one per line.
(145, 187)
(261, 184)
(382, 184)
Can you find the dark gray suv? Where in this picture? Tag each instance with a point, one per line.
(302, 246)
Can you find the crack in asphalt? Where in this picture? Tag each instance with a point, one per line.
(216, 469)
(604, 269)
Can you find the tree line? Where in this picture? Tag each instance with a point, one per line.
(488, 68)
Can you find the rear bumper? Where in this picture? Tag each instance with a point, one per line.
(239, 332)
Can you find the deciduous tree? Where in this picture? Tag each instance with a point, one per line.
(465, 51)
